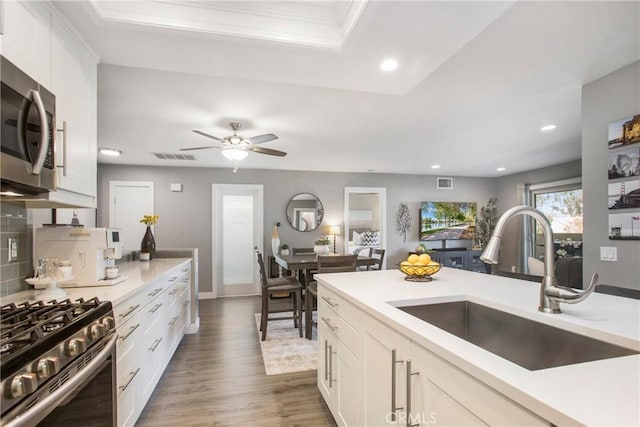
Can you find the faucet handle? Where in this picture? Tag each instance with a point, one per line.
(571, 296)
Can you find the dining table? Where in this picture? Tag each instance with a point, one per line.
(306, 262)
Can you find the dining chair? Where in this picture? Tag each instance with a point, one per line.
(279, 285)
(326, 264)
(378, 255)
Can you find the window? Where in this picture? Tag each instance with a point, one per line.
(561, 202)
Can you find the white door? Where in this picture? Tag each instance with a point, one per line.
(237, 229)
(129, 201)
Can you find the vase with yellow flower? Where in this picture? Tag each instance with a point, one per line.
(148, 244)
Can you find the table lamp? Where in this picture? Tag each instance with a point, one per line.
(335, 231)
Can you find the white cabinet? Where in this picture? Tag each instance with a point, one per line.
(38, 41)
(384, 356)
(339, 367)
(74, 83)
(372, 375)
(150, 325)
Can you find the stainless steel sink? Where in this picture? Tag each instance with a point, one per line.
(530, 344)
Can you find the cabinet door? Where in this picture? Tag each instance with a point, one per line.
(325, 347)
(74, 83)
(474, 262)
(344, 369)
(26, 41)
(383, 363)
(456, 260)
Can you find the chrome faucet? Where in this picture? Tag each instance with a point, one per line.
(551, 294)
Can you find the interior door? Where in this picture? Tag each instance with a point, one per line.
(237, 213)
(128, 202)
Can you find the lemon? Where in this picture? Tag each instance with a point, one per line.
(433, 263)
(405, 263)
(413, 258)
(424, 259)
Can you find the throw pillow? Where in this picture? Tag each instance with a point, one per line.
(357, 238)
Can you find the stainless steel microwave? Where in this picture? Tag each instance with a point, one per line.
(27, 113)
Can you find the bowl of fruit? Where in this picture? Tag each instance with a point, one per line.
(419, 268)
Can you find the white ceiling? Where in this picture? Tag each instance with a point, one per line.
(476, 80)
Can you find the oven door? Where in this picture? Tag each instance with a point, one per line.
(87, 398)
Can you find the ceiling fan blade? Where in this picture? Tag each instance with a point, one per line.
(207, 135)
(262, 138)
(197, 148)
(268, 151)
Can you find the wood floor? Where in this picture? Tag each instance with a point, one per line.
(216, 378)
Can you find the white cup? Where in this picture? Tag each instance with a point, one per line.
(65, 272)
(112, 272)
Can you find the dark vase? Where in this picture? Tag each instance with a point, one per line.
(148, 243)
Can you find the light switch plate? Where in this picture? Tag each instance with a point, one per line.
(609, 253)
(12, 245)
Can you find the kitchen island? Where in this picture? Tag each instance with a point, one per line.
(362, 334)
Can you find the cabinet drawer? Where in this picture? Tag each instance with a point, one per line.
(340, 307)
(338, 327)
(124, 311)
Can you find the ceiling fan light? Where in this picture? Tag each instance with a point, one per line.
(234, 154)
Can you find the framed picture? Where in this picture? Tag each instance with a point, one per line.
(624, 226)
(624, 131)
(625, 163)
(624, 194)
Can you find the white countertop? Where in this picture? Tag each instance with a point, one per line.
(604, 392)
(139, 274)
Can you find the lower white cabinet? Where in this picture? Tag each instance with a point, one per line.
(381, 377)
(150, 326)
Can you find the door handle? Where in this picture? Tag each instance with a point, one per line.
(409, 375)
(64, 148)
(44, 132)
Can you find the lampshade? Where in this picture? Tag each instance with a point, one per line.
(234, 153)
(334, 230)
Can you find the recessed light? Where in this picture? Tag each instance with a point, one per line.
(110, 152)
(389, 65)
(371, 170)
(501, 169)
(435, 166)
(547, 128)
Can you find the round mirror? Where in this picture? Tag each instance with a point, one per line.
(305, 212)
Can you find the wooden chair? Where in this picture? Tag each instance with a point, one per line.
(326, 264)
(278, 285)
(378, 255)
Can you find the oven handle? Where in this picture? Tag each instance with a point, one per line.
(40, 410)
(44, 133)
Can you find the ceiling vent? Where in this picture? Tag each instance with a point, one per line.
(444, 183)
(171, 156)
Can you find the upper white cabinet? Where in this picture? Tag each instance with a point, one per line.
(40, 43)
(73, 81)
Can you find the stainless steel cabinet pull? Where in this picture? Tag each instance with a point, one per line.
(174, 320)
(155, 292)
(326, 352)
(155, 308)
(328, 323)
(174, 278)
(131, 310)
(331, 353)
(133, 375)
(409, 375)
(328, 301)
(64, 148)
(133, 328)
(173, 292)
(155, 345)
(394, 362)
(186, 303)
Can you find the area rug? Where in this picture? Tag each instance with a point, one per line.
(284, 351)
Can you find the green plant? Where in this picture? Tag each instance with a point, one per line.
(323, 241)
(486, 222)
(285, 246)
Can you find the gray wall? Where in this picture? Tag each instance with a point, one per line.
(185, 218)
(507, 194)
(610, 98)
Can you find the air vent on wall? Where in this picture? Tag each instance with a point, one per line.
(444, 183)
(170, 156)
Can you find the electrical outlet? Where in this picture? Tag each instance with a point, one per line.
(12, 247)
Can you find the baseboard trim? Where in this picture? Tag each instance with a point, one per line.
(206, 295)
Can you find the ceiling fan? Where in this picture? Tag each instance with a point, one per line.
(235, 147)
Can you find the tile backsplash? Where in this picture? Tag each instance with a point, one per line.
(13, 224)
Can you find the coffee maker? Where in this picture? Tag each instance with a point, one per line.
(90, 250)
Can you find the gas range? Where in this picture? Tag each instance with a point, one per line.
(39, 343)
